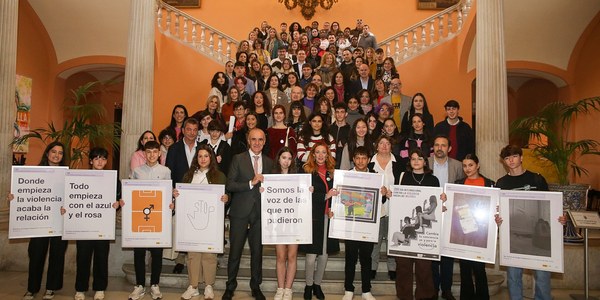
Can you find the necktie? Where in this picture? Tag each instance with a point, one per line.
(256, 157)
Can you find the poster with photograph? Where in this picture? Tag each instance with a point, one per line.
(38, 195)
(357, 208)
(199, 218)
(469, 230)
(286, 209)
(89, 199)
(146, 217)
(415, 222)
(530, 235)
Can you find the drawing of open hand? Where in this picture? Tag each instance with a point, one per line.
(200, 217)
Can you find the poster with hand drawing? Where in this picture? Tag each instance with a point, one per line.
(530, 235)
(199, 218)
(146, 216)
(469, 228)
(415, 222)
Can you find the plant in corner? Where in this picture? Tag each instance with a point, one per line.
(552, 125)
(550, 129)
(83, 127)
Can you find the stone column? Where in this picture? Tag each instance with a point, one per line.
(9, 15)
(139, 80)
(491, 97)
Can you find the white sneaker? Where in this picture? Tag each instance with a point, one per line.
(28, 296)
(278, 294)
(138, 293)
(99, 295)
(287, 294)
(208, 292)
(79, 296)
(155, 292)
(189, 293)
(367, 296)
(48, 295)
(348, 295)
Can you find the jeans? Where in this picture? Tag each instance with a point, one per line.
(515, 284)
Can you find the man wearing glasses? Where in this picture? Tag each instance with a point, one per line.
(400, 102)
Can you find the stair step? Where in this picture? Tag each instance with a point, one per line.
(333, 281)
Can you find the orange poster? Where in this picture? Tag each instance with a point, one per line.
(146, 209)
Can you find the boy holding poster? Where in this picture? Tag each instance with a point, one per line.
(151, 170)
(520, 179)
(96, 248)
(359, 249)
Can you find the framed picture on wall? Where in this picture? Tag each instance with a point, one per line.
(435, 4)
(183, 3)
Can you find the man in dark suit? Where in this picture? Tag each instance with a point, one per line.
(364, 80)
(180, 155)
(300, 61)
(243, 181)
(179, 159)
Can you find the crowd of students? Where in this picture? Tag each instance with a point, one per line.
(305, 100)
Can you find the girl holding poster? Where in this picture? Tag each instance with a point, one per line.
(38, 247)
(469, 268)
(320, 164)
(202, 267)
(286, 254)
(418, 174)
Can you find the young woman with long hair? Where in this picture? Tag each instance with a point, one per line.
(279, 134)
(417, 105)
(320, 164)
(323, 107)
(286, 253)
(178, 115)
(417, 138)
(40, 247)
(391, 130)
(296, 117)
(202, 267)
(219, 85)
(327, 68)
(358, 136)
(233, 96)
(379, 91)
(290, 81)
(263, 56)
(389, 71)
(364, 98)
(261, 105)
(315, 130)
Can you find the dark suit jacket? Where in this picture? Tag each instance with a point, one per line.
(356, 86)
(241, 172)
(177, 161)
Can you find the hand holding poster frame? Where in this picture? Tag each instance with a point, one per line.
(530, 234)
(89, 199)
(35, 210)
(415, 222)
(199, 218)
(286, 205)
(469, 229)
(356, 209)
(146, 217)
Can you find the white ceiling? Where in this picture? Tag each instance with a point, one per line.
(543, 31)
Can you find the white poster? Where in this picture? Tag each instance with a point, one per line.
(199, 218)
(146, 216)
(469, 230)
(286, 206)
(357, 208)
(530, 235)
(415, 222)
(89, 199)
(35, 210)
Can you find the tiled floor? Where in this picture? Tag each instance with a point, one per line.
(13, 285)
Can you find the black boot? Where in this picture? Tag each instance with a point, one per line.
(318, 292)
(178, 269)
(308, 292)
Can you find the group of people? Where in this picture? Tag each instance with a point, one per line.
(306, 100)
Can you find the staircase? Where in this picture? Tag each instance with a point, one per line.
(333, 282)
(402, 47)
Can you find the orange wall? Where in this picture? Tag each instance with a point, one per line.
(35, 59)
(587, 79)
(237, 19)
